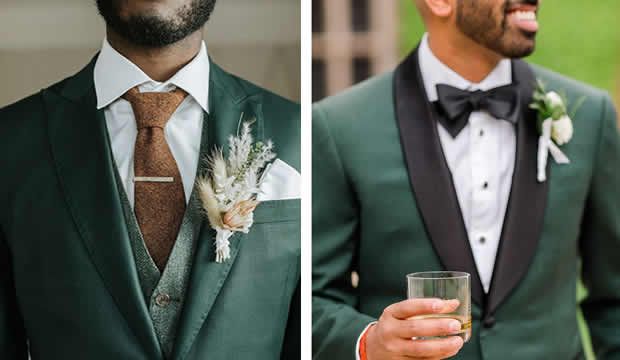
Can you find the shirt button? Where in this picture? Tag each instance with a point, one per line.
(482, 240)
(485, 185)
(162, 300)
(481, 133)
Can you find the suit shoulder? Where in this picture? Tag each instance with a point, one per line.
(280, 114)
(269, 98)
(376, 91)
(28, 107)
(595, 110)
(22, 119)
(22, 123)
(281, 117)
(355, 111)
(572, 87)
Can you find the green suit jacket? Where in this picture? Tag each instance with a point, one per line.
(385, 206)
(68, 282)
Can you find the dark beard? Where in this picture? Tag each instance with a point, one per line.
(483, 26)
(155, 31)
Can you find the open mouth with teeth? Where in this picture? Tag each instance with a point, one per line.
(524, 17)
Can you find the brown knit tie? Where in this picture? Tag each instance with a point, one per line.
(159, 196)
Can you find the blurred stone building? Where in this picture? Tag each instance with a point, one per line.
(43, 41)
(351, 40)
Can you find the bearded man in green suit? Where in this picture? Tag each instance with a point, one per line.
(105, 250)
(441, 165)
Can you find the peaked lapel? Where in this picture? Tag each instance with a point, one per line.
(83, 160)
(429, 174)
(528, 199)
(228, 102)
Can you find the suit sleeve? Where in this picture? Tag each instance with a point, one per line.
(292, 338)
(600, 242)
(336, 323)
(12, 335)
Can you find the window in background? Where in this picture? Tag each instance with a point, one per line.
(360, 15)
(351, 41)
(361, 69)
(317, 16)
(319, 86)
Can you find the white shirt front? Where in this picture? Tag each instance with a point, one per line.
(114, 75)
(481, 159)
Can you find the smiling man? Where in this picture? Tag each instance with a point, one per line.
(105, 249)
(445, 164)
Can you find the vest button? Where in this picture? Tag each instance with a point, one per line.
(488, 322)
(162, 300)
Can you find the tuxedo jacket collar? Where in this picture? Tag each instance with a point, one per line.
(435, 194)
(84, 165)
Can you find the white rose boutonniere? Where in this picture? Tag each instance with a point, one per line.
(228, 191)
(555, 126)
(562, 130)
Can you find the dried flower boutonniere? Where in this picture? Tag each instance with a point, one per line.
(228, 191)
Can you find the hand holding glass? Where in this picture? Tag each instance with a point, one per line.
(445, 285)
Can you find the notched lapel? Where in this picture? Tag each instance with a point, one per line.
(429, 174)
(83, 162)
(528, 200)
(230, 107)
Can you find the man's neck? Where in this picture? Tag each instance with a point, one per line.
(470, 60)
(160, 64)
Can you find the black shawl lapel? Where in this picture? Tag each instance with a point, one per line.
(528, 199)
(429, 174)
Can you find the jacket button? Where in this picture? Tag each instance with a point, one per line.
(488, 322)
(162, 300)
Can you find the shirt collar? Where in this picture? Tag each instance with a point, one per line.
(114, 74)
(435, 72)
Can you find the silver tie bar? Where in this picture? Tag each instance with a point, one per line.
(153, 179)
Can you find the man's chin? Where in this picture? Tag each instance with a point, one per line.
(524, 50)
(522, 44)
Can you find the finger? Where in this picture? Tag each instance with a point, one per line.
(407, 329)
(413, 307)
(435, 348)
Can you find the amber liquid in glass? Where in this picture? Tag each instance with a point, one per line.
(464, 333)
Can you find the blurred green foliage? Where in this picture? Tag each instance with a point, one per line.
(580, 39)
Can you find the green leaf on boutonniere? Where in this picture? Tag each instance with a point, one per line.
(576, 106)
(557, 113)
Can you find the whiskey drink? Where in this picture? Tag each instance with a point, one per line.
(445, 285)
(464, 333)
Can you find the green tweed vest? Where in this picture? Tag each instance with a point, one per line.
(164, 292)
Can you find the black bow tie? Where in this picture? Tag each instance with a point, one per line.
(501, 103)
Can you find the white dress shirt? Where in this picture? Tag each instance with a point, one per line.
(114, 75)
(481, 159)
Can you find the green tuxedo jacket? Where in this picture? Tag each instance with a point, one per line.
(385, 206)
(68, 282)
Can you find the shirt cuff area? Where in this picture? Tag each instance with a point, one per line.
(357, 344)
